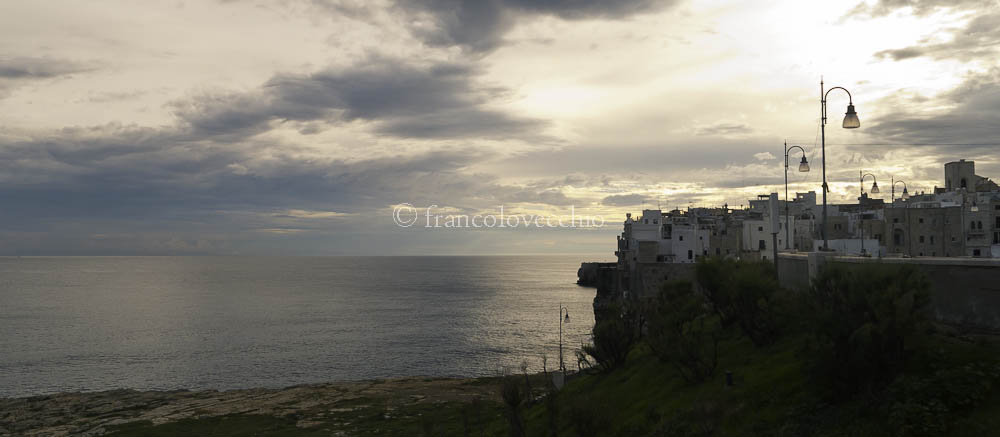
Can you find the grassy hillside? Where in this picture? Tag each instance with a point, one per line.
(772, 395)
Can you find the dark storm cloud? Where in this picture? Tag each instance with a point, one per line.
(972, 116)
(978, 40)
(162, 179)
(625, 200)
(435, 100)
(479, 25)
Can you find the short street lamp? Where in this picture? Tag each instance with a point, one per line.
(562, 320)
(861, 206)
(892, 198)
(850, 122)
(803, 167)
(874, 182)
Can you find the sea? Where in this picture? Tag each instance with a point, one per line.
(72, 324)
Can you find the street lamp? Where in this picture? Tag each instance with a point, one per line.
(850, 122)
(562, 320)
(874, 182)
(803, 167)
(861, 207)
(892, 199)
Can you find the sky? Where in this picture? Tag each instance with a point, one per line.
(309, 127)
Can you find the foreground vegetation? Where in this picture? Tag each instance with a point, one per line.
(856, 354)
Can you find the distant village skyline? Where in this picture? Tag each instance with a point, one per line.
(296, 127)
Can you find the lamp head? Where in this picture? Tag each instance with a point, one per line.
(875, 188)
(804, 165)
(851, 118)
(566, 319)
(906, 195)
(974, 207)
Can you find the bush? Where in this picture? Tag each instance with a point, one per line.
(927, 405)
(513, 397)
(743, 294)
(682, 332)
(613, 338)
(865, 322)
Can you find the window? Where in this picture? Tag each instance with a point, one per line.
(761, 245)
(920, 254)
(979, 224)
(976, 252)
(933, 253)
(921, 238)
(972, 225)
(690, 254)
(895, 220)
(932, 239)
(920, 220)
(680, 238)
(724, 231)
(952, 238)
(996, 238)
(645, 221)
(718, 251)
(964, 184)
(701, 237)
(656, 222)
(760, 228)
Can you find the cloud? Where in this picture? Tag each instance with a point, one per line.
(146, 181)
(625, 200)
(979, 39)
(723, 128)
(38, 68)
(398, 98)
(968, 114)
(882, 8)
(479, 25)
(763, 156)
(17, 71)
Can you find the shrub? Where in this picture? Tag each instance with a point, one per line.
(613, 338)
(927, 405)
(742, 294)
(682, 332)
(513, 397)
(865, 321)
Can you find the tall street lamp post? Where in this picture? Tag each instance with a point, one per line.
(562, 320)
(892, 199)
(850, 122)
(803, 167)
(861, 206)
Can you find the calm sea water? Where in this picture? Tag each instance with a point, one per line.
(98, 323)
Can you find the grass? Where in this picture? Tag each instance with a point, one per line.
(772, 395)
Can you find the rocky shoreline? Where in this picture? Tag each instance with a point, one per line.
(330, 407)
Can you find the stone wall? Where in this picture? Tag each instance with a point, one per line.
(964, 291)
